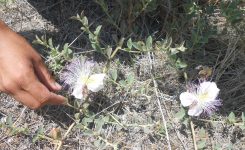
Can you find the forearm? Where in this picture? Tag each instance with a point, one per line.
(5, 32)
(7, 35)
(3, 26)
(3, 29)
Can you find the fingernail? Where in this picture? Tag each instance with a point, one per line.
(57, 85)
(65, 102)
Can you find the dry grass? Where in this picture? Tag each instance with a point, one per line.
(135, 112)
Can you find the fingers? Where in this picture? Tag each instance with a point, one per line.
(27, 99)
(55, 99)
(45, 77)
(42, 94)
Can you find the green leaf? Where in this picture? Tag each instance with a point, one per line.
(180, 64)
(40, 131)
(108, 52)
(88, 132)
(114, 74)
(149, 43)
(181, 47)
(218, 147)
(15, 131)
(106, 119)
(130, 79)
(161, 130)
(97, 143)
(38, 40)
(202, 133)
(77, 116)
(201, 144)
(65, 47)
(9, 121)
(139, 45)
(177, 49)
(243, 118)
(142, 90)
(213, 123)
(99, 124)
(66, 51)
(50, 43)
(180, 114)
(7, 1)
(230, 146)
(123, 83)
(129, 43)
(136, 45)
(232, 118)
(85, 21)
(35, 138)
(97, 30)
(84, 29)
(173, 51)
(85, 121)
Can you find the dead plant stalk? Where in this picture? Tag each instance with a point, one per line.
(158, 101)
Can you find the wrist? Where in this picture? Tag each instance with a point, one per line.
(3, 26)
(4, 30)
(4, 34)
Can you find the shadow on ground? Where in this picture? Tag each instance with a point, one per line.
(221, 55)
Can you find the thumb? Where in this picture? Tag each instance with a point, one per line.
(45, 77)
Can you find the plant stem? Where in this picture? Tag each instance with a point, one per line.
(159, 103)
(65, 135)
(193, 134)
(119, 46)
(68, 104)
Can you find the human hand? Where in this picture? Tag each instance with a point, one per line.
(23, 74)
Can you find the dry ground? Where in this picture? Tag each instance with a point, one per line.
(140, 113)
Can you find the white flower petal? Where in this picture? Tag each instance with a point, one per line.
(187, 98)
(95, 82)
(210, 88)
(78, 91)
(195, 111)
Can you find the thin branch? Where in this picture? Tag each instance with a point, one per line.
(65, 135)
(159, 103)
(193, 135)
(173, 125)
(22, 112)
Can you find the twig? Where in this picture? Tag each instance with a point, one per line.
(22, 112)
(119, 46)
(193, 135)
(65, 135)
(159, 104)
(3, 114)
(69, 130)
(105, 109)
(163, 118)
(68, 104)
(171, 121)
(75, 39)
(173, 125)
(116, 120)
(219, 121)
